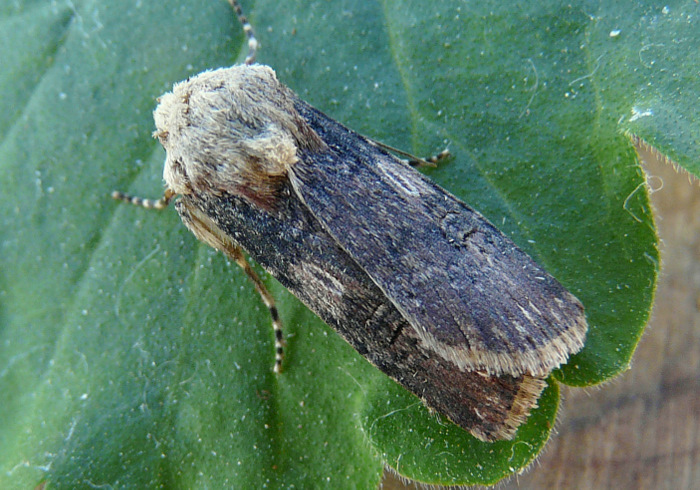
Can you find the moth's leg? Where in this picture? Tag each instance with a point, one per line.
(413, 160)
(237, 254)
(161, 203)
(206, 230)
(431, 161)
(248, 29)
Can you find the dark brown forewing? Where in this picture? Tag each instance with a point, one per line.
(291, 245)
(469, 292)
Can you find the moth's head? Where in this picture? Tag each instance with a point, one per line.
(231, 130)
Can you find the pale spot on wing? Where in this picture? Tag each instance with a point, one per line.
(399, 180)
(321, 280)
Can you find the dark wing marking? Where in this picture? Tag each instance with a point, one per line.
(470, 293)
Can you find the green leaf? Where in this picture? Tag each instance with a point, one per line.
(131, 355)
(656, 84)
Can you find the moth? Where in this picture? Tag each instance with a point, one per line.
(419, 283)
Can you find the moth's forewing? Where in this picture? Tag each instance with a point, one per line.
(471, 295)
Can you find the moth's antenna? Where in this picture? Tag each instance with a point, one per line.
(248, 29)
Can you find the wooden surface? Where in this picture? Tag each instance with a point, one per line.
(642, 429)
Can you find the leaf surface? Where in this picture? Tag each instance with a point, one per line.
(132, 355)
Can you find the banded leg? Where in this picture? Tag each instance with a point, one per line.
(248, 29)
(206, 230)
(431, 160)
(237, 254)
(413, 160)
(161, 203)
